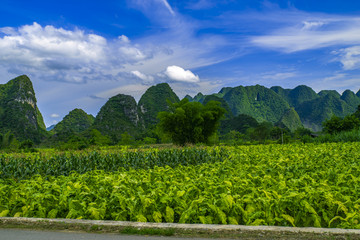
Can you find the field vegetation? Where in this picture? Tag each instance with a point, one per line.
(303, 185)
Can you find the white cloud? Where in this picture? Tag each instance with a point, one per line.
(305, 31)
(349, 57)
(167, 5)
(279, 76)
(312, 25)
(179, 74)
(66, 55)
(124, 39)
(339, 81)
(142, 76)
(54, 115)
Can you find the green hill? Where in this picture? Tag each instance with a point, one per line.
(284, 93)
(313, 113)
(154, 100)
(76, 121)
(19, 113)
(257, 101)
(119, 115)
(199, 98)
(297, 95)
(351, 99)
(325, 92)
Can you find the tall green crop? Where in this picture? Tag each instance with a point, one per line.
(65, 164)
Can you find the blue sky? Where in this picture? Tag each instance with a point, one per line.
(80, 53)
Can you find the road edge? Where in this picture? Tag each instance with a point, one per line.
(245, 232)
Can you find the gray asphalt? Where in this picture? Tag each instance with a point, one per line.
(19, 234)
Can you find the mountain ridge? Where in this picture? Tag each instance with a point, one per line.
(121, 113)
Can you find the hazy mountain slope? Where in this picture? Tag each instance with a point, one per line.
(290, 120)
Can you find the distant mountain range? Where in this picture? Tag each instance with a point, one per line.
(290, 108)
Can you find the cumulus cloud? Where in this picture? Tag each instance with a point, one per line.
(65, 55)
(177, 73)
(54, 115)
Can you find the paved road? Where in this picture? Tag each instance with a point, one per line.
(19, 234)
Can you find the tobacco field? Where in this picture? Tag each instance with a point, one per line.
(303, 185)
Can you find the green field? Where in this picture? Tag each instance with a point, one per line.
(312, 185)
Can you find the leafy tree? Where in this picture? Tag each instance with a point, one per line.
(240, 123)
(301, 131)
(350, 122)
(6, 139)
(126, 139)
(96, 138)
(262, 132)
(191, 122)
(336, 124)
(357, 113)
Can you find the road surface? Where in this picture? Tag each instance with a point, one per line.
(20, 234)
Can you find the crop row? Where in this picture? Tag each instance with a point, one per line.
(64, 164)
(287, 185)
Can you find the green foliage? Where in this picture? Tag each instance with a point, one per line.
(223, 104)
(149, 140)
(345, 136)
(303, 134)
(66, 163)
(357, 113)
(6, 140)
(337, 124)
(262, 132)
(191, 122)
(75, 142)
(126, 139)
(97, 139)
(240, 123)
(312, 185)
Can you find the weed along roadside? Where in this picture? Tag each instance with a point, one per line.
(179, 230)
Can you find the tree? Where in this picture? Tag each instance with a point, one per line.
(262, 132)
(336, 124)
(191, 122)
